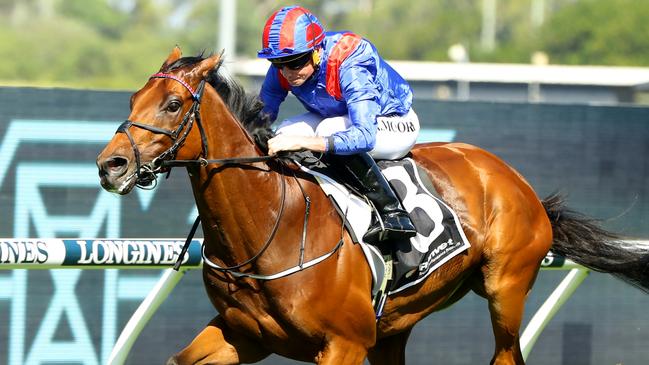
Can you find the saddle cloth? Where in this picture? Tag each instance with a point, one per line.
(440, 236)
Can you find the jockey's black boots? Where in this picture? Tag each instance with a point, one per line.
(394, 223)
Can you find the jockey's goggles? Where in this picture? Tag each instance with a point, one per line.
(292, 63)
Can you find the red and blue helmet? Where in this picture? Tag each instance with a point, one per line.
(290, 31)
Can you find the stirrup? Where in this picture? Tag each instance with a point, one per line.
(381, 231)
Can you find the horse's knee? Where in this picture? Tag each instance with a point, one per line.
(193, 355)
(219, 345)
(390, 350)
(172, 361)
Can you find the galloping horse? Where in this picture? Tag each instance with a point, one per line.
(252, 209)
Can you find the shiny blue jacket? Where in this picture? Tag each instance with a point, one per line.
(352, 80)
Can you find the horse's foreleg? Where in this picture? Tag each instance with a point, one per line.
(217, 345)
(390, 350)
(341, 351)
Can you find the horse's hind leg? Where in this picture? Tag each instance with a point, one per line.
(507, 283)
(216, 345)
(506, 312)
(390, 350)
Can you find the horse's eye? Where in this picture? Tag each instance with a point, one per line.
(173, 106)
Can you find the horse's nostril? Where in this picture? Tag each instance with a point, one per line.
(115, 165)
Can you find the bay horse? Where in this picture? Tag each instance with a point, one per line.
(252, 209)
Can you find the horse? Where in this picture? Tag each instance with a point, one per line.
(254, 210)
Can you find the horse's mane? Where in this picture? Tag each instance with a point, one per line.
(246, 107)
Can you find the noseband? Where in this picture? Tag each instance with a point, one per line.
(146, 173)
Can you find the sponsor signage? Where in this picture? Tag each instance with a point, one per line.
(32, 253)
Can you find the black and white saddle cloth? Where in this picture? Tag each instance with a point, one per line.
(439, 238)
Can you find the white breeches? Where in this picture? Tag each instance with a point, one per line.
(394, 138)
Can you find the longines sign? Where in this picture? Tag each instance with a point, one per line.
(50, 253)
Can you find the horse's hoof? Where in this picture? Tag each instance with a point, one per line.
(172, 361)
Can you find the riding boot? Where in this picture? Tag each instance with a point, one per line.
(394, 222)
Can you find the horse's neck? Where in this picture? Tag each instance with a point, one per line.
(236, 203)
(225, 136)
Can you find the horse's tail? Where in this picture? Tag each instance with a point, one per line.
(582, 240)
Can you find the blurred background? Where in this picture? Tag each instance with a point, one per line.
(115, 44)
(557, 88)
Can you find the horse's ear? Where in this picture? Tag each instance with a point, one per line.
(173, 57)
(208, 64)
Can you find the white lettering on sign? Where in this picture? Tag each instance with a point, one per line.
(23, 252)
(102, 252)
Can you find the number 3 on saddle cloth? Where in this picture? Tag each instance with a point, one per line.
(406, 263)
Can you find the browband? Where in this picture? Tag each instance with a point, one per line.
(162, 75)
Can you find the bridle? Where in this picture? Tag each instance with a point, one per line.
(147, 179)
(146, 173)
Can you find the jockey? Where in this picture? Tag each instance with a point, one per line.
(359, 108)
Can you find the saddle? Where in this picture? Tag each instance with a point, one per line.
(401, 264)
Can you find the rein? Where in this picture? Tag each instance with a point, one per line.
(221, 161)
(147, 176)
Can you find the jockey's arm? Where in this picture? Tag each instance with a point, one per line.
(359, 137)
(272, 94)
